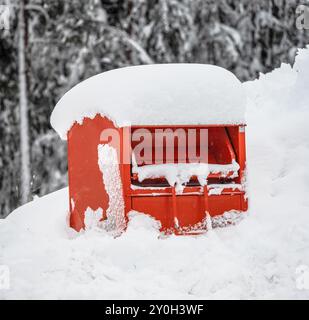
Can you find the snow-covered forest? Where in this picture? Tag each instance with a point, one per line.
(64, 42)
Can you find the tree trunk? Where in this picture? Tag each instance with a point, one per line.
(23, 104)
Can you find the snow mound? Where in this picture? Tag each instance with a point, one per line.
(142, 222)
(160, 94)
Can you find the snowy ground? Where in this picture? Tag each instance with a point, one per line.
(261, 257)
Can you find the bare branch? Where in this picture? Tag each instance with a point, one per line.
(40, 9)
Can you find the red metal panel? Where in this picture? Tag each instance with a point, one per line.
(86, 188)
(190, 208)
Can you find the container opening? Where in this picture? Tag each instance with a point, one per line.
(192, 153)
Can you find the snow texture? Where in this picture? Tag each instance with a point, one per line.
(216, 189)
(261, 255)
(178, 174)
(161, 94)
(108, 164)
(93, 218)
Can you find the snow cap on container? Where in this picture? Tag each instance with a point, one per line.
(158, 94)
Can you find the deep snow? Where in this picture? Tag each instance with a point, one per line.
(260, 257)
(163, 94)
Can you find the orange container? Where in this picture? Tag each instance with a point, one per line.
(179, 213)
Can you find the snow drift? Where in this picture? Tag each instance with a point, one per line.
(260, 257)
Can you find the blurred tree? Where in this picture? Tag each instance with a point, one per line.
(23, 103)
